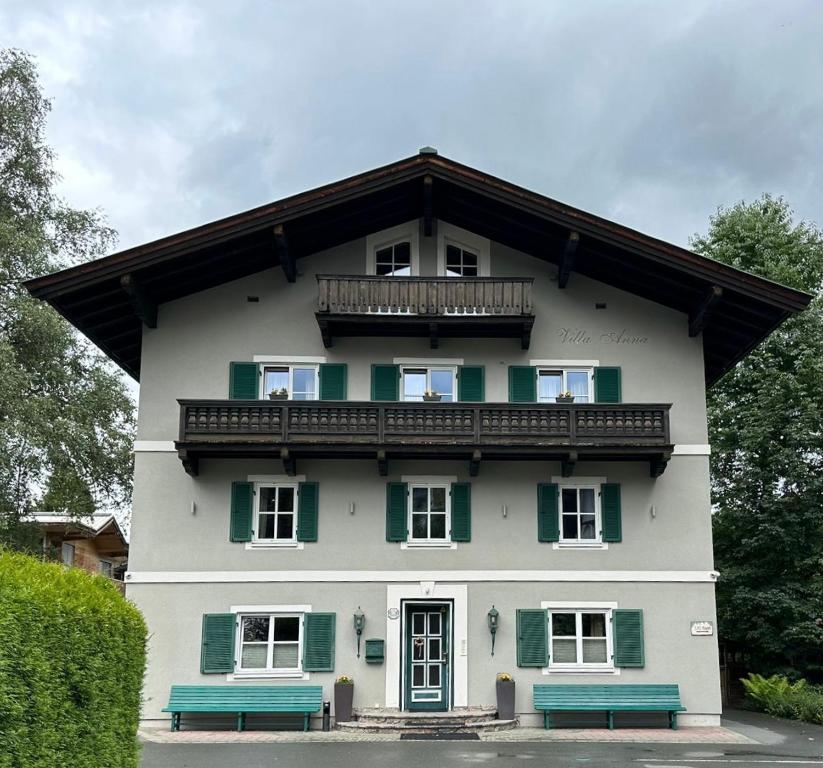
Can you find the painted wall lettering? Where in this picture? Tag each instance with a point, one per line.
(582, 336)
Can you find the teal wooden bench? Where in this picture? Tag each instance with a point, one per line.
(608, 698)
(240, 700)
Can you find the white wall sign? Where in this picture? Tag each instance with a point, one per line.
(702, 628)
(393, 613)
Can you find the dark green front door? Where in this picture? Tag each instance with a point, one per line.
(427, 669)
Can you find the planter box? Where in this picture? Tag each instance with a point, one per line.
(431, 398)
(565, 400)
(343, 698)
(272, 396)
(505, 699)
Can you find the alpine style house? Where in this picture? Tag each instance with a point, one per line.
(437, 402)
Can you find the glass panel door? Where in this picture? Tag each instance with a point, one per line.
(427, 657)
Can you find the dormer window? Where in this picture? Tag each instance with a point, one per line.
(461, 262)
(461, 253)
(394, 252)
(394, 260)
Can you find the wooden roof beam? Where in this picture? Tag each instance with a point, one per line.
(567, 260)
(142, 304)
(284, 255)
(700, 316)
(428, 206)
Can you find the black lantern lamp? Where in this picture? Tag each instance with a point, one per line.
(494, 623)
(359, 623)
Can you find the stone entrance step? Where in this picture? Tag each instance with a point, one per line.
(461, 720)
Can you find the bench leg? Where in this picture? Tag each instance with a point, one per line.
(241, 721)
(673, 720)
(306, 719)
(547, 720)
(610, 720)
(175, 721)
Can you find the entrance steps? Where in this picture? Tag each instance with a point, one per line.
(459, 720)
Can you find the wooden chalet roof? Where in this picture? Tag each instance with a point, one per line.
(110, 299)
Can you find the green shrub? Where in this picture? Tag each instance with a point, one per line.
(777, 696)
(72, 654)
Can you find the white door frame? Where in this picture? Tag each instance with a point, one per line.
(427, 591)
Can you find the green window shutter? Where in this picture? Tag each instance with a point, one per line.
(307, 505)
(548, 522)
(628, 637)
(471, 384)
(242, 511)
(522, 384)
(333, 380)
(397, 495)
(607, 385)
(385, 382)
(532, 637)
(318, 642)
(610, 510)
(244, 381)
(461, 512)
(217, 644)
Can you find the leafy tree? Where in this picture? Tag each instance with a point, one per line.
(766, 431)
(66, 420)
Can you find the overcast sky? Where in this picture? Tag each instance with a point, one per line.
(171, 114)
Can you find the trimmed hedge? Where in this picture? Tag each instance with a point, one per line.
(72, 655)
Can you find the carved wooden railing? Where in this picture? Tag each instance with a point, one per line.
(354, 294)
(420, 424)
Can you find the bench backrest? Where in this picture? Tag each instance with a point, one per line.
(269, 698)
(657, 696)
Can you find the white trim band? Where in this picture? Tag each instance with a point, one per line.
(685, 449)
(396, 577)
(154, 446)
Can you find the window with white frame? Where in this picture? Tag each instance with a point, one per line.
(295, 382)
(461, 261)
(393, 260)
(270, 643)
(429, 512)
(556, 382)
(461, 253)
(580, 639)
(276, 513)
(435, 382)
(579, 514)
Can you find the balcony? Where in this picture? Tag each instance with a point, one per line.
(433, 307)
(473, 432)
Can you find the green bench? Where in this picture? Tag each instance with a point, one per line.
(608, 698)
(240, 700)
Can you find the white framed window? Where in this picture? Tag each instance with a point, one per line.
(554, 382)
(461, 253)
(417, 380)
(276, 513)
(394, 252)
(580, 637)
(269, 644)
(429, 512)
(298, 381)
(579, 514)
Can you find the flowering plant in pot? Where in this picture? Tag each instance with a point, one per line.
(505, 696)
(564, 397)
(430, 396)
(343, 697)
(279, 394)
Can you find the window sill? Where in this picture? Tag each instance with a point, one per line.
(581, 671)
(580, 545)
(428, 545)
(274, 545)
(295, 675)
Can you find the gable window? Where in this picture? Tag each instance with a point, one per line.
(579, 514)
(461, 262)
(393, 260)
(393, 252)
(299, 382)
(276, 513)
(579, 639)
(429, 512)
(418, 380)
(270, 643)
(552, 383)
(461, 253)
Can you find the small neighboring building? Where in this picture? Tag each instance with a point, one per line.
(96, 544)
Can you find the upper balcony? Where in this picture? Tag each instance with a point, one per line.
(292, 430)
(433, 307)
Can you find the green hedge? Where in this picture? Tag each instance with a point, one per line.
(777, 696)
(72, 654)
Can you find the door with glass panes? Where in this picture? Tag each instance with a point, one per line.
(427, 652)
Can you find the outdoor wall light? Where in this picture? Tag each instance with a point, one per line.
(494, 622)
(359, 624)
(505, 510)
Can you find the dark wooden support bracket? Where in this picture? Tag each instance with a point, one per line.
(382, 464)
(567, 260)
(289, 462)
(474, 464)
(428, 207)
(657, 465)
(434, 336)
(700, 317)
(325, 331)
(143, 306)
(284, 255)
(526, 336)
(190, 462)
(568, 464)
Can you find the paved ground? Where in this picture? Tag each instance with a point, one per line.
(761, 742)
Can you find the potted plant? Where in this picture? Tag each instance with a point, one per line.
(279, 394)
(430, 396)
(505, 696)
(343, 697)
(565, 397)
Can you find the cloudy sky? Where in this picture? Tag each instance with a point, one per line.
(170, 114)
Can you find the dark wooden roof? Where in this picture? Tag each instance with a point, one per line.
(94, 296)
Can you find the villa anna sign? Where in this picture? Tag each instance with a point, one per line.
(582, 336)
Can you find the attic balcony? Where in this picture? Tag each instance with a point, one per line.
(384, 431)
(427, 307)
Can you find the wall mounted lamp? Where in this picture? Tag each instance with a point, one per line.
(494, 621)
(359, 624)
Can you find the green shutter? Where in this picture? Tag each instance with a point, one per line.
(471, 385)
(610, 510)
(461, 512)
(522, 384)
(385, 382)
(242, 506)
(217, 643)
(307, 505)
(532, 637)
(397, 495)
(607, 385)
(548, 523)
(244, 381)
(628, 637)
(333, 380)
(318, 642)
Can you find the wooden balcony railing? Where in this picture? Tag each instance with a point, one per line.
(435, 430)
